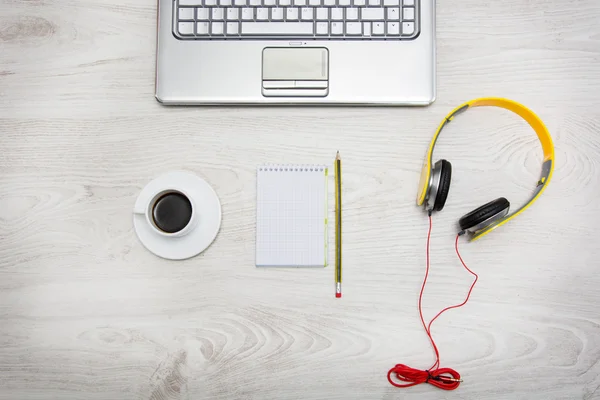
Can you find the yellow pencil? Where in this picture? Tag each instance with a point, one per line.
(338, 226)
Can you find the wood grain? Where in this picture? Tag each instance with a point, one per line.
(87, 313)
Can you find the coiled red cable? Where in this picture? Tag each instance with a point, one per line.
(443, 378)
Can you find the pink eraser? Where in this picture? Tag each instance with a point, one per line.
(338, 295)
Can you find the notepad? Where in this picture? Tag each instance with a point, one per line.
(291, 216)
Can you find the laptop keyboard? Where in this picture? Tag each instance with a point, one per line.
(296, 19)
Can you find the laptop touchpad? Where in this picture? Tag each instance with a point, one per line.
(295, 71)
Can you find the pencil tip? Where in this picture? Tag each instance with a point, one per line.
(337, 156)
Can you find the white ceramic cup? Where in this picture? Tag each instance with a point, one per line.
(149, 209)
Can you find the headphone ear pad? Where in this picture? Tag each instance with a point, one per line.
(444, 188)
(483, 213)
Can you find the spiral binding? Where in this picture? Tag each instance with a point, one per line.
(291, 168)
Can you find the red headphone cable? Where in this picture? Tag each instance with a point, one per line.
(443, 378)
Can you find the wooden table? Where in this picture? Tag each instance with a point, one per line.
(87, 313)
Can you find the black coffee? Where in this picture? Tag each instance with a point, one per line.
(172, 212)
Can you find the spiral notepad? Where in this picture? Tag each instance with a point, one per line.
(291, 216)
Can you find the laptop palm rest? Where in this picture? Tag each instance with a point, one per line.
(295, 71)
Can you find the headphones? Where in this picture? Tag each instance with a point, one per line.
(435, 180)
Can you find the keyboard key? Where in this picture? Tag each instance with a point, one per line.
(233, 28)
(190, 2)
(322, 28)
(202, 14)
(337, 28)
(393, 28)
(284, 3)
(299, 2)
(314, 3)
(225, 3)
(374, 2)
(366, 29)
(239, 2)
(322, 14)
(233, 13)
(306, 14)
(247, 13)
(408, 28)
(378, 28)
(344, 3)
(217, 14)
(216, 28)
(337, 14)
(277, 14)
(277, 28)
(186, 28)
(210, 3)
(329, 2)
(270, 3)
(255, 3)
(409, 2)
(202, 28)
(371, 14)
(291, 14)
(409, 13)
(262, 14)
(393, 13)
(353, 28)
(186, 13)
(391, 3)
(359, 3)
(351, 14)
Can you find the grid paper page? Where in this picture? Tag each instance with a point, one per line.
(291, 207)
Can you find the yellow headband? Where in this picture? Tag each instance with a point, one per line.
(533, 120)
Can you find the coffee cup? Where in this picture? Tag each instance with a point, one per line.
(171, 213)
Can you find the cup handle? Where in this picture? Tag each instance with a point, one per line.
(139, 210)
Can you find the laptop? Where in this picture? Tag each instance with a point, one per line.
(345, 52)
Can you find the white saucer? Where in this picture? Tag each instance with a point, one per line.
(205, 202)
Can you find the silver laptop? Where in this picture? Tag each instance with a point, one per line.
(296, 52)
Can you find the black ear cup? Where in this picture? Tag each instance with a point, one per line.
(444, 187)
(483, 213)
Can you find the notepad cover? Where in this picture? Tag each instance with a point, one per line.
(291, 216)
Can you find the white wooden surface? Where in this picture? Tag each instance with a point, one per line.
(87, 313)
